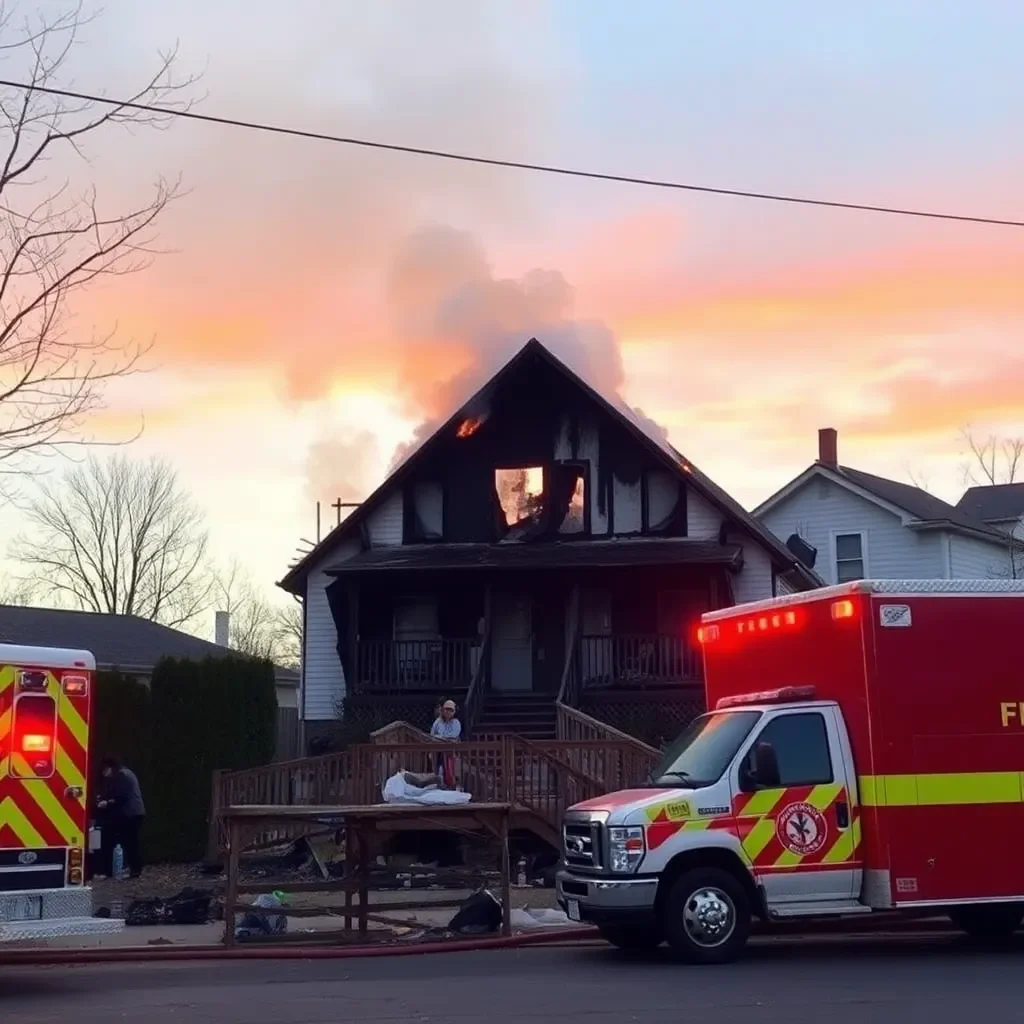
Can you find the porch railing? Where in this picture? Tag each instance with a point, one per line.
(600, 751)
(636, 660)
(539, 778)
(400, 666)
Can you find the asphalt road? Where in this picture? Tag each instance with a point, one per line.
(795, 982)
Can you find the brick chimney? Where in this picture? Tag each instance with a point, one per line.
(828, 446)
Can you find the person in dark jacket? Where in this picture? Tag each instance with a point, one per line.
(122, 800)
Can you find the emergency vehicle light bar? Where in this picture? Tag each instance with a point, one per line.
(783, 695)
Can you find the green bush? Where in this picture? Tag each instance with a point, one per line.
(217, 713)
(121, 723)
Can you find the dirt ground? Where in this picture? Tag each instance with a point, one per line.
(166, 880)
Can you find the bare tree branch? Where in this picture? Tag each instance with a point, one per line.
(56, 240)
(991, 460)
(256, 626)
(120, 537)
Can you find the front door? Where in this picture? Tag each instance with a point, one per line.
(799, 828)
(511, 642)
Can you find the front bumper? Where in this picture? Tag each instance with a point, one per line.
(618, 902)
(34, 914)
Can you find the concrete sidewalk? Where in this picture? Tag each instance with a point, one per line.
(212, 932)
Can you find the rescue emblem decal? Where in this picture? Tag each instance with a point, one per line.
(801, 829)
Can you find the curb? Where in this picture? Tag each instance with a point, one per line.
(135, 954)
(871, 925)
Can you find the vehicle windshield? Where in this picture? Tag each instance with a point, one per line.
(705, 749)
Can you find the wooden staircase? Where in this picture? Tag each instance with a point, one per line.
(541, 778)
(530, 715)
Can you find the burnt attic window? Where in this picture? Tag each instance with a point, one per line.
(521, 497)
(536, 500)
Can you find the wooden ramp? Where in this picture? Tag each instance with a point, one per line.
(540, 779)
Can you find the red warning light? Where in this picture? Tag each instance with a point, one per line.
(843, 609)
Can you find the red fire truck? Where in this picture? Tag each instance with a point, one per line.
(863, 751)
(45, 702)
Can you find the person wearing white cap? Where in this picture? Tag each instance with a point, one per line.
(449, 729)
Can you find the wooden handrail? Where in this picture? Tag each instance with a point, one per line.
(543, 777)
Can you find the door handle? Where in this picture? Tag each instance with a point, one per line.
(842, 815)
(74, 792)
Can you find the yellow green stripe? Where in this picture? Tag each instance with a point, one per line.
(941, 790)
(758, 838)
(761, 803)
(12, 815)
(76, 724)
(845, 846)
(48, 803)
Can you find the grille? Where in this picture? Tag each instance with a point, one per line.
(582, 845)
(32, 869)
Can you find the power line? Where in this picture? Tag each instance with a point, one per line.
(570, 172)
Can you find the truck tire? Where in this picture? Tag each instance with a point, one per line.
(632, 940)
(706, 916)
(993, 923)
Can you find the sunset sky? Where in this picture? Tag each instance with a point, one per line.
(318, 298)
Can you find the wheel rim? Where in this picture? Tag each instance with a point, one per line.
(709, 917)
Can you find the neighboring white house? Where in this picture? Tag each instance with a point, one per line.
(861, 525)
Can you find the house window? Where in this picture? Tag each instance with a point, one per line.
(849, 557)
(569, 497)
(520, 494)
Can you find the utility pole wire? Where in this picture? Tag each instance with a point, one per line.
(570, 172)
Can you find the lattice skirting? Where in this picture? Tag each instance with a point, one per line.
(654, 718)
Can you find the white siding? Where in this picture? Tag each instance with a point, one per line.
(323, 680)
(384, 523)
(703, 520)
(627, 506)
(974, 559)
(754, 580)
(821, 509)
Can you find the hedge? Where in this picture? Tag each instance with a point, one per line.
(195, 717)
(122, 724)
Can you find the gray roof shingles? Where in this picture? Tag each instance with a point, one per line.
(918, 502)
(993, 503)
(116, 641)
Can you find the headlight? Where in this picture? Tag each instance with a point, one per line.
(625, 849)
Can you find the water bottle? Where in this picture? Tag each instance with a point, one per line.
(521, 876)
(118, 859)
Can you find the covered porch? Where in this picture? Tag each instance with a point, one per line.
(561, 619)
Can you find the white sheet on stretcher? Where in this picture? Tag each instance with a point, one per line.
(397, 791)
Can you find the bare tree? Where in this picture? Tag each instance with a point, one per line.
(57, 238)
(991, 460)
(118, 536)
(17, 592)
(257, 626)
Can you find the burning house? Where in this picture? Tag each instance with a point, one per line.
(540, 547)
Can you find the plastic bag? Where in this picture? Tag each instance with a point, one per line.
(396, 790)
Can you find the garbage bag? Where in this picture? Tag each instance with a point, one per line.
(478, 915)
(397, 790)
(254, 923)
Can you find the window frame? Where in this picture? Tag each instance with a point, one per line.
(819, 714)
(834, 538)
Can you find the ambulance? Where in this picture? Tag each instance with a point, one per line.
(45, 702)
(863, 753)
